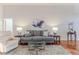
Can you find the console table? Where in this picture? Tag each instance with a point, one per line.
(70, 36)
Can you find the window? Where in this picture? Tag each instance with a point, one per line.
(0, 25)
(8, 24)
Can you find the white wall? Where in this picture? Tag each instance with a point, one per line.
(63, 27)
(53, 14)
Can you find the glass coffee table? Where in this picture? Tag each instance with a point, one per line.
(36, 47)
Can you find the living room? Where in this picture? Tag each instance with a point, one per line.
(39, 29)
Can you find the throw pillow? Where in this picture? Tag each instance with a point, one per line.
(11, 38)
(45, 33)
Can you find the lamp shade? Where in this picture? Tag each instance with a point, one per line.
(19, 28)
(55, 29)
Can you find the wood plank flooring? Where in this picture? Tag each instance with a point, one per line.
(71, 48)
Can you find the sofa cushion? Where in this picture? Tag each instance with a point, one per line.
(5, 34)
(36, 33)
(45, 33)
(11, 38)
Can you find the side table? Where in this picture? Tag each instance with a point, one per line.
(70, 36)
(19, 36)
(56, 39)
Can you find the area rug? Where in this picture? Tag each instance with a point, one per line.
(49, 50)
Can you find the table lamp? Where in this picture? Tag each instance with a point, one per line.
(19, 29)
(55, 29)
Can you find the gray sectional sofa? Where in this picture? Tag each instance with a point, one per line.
(36, 36)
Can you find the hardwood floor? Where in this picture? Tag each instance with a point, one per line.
(71, 48)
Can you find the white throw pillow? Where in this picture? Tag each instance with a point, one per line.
(45, 33)
(6, 33)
